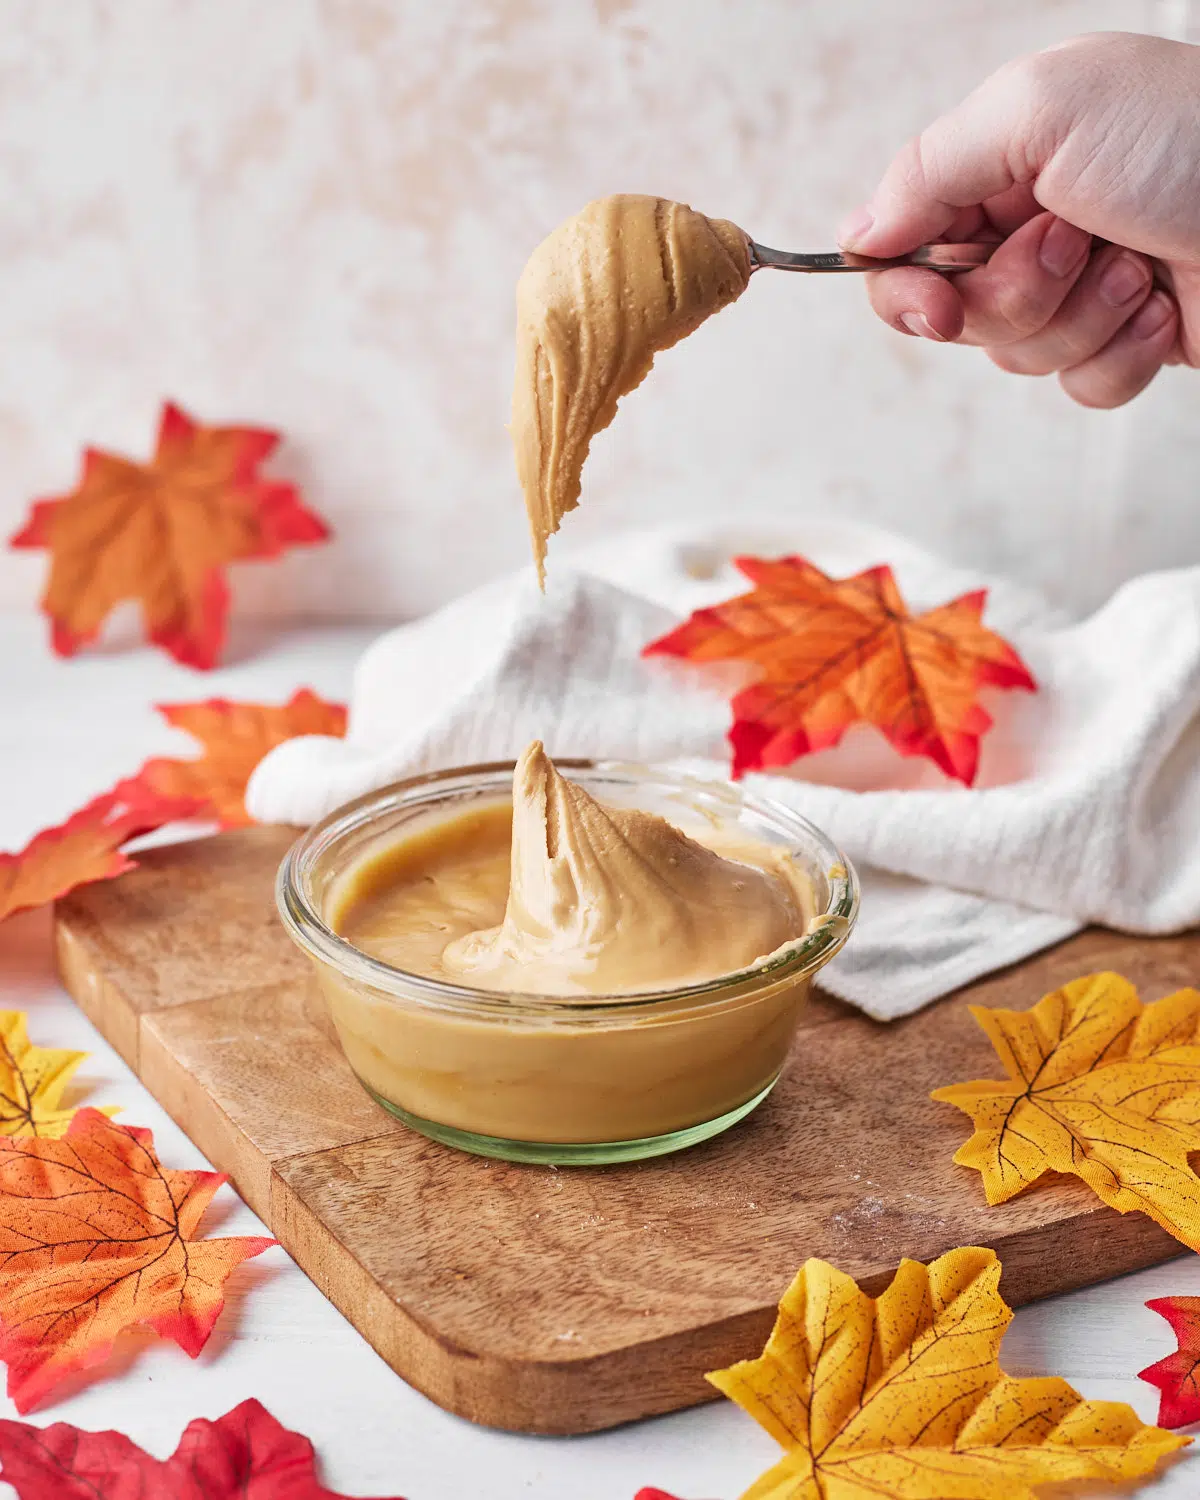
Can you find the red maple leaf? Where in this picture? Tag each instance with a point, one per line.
(96, 1236)
(162, 533)
(244, 1455)
(1177, 1376)
(86, 847)
(828, 652)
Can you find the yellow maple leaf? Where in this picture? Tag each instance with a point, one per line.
(1099, 1085)
(32, 1080)
(902, 1396)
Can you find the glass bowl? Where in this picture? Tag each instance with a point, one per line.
(562, 1080)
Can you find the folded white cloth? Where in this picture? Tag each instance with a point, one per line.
(1086, 808)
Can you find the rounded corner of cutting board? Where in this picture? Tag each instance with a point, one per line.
(560, 1398)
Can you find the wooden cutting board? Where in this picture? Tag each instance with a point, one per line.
(568, 1300)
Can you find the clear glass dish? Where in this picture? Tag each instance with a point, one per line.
(562, 1080)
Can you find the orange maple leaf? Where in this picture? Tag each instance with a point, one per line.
(96, 1236)
(162, 532)
(86, 847)
(829, 652)
(235, 737)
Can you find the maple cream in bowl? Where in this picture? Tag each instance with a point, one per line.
(582, 968)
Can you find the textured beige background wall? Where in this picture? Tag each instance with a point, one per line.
(311, 215)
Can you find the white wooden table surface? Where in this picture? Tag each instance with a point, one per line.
(70, 729)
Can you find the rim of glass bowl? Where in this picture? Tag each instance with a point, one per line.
(308, 928)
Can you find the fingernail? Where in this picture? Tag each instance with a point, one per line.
(1063, 248)
(1124, 277)
(919, 324)
(1152, 318)
(854, 226)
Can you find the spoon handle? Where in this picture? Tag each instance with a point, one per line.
(948, 258)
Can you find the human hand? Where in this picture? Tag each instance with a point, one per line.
(1097, 136)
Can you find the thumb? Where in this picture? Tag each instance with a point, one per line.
(994, 139)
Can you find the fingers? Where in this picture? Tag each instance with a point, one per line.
(1025, 283)
(1102, 301)
(1043, 304)
(999, 137)
(1129, 362)
(920, 302)
(1013, 297)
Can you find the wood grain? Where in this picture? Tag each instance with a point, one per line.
(194, 919)
(546, 1300)
(255, 1083)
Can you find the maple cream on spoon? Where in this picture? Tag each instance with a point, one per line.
(602, 295)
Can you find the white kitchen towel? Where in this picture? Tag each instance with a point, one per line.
(1086, 808)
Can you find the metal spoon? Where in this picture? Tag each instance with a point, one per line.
(948, 258)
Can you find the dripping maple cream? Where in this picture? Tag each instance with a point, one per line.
(587, 968)
(624, 280)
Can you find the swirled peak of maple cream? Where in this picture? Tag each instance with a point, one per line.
(600, 297)
(564, 896)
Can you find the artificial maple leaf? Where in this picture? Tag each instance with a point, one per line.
(32, 1080)
(162, 533)
(244, 1455)
(1177, 1376)
(1099, 1085)
(86, 847)
(902, 1396)
(96, 1236)
(235, 737)
(828, 652)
